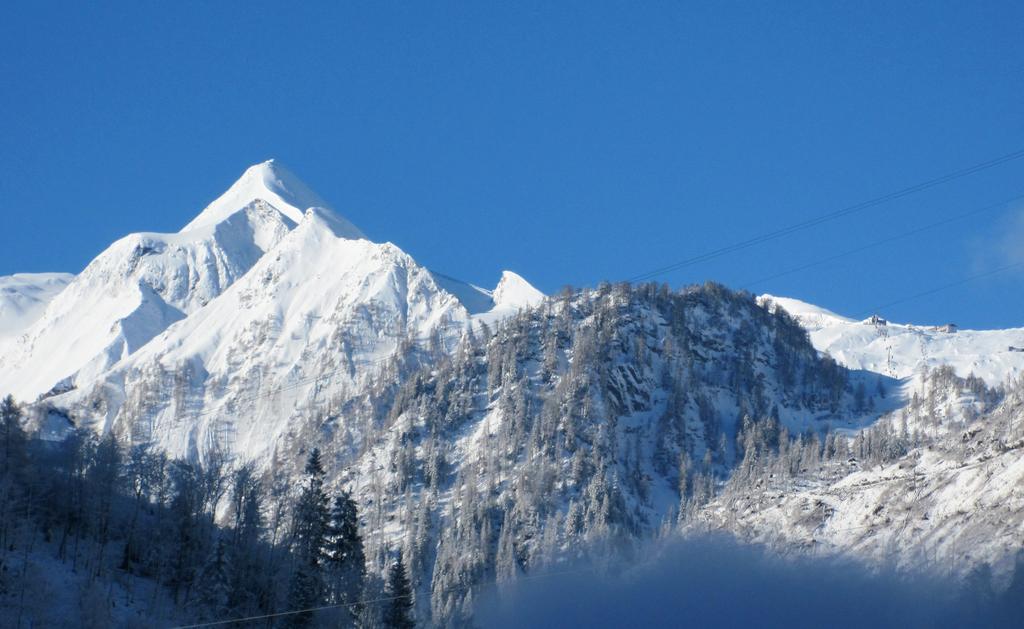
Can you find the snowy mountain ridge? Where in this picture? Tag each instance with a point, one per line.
(905, 351)
(313, 318)
(174, 338)
(131, 292)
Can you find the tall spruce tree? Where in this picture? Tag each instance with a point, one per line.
(346, 560)
(244, 558)
(214, 584)
(309, 538)
(398, 613)
(12, 436)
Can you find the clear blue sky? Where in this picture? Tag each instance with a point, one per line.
(571, 142)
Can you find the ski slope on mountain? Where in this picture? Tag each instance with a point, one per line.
(23, 298)
(903, 351)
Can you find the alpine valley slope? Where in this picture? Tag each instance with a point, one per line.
(230, 334)
(611, 416)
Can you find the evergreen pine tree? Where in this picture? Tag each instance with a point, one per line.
(398, 614)
(309, 534)
(346, 558)
(214, 585)
(12, 436)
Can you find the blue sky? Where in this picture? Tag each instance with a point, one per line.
(571, 142)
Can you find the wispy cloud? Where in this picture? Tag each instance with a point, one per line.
(1003, 244)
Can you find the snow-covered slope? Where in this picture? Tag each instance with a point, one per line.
(577, 421)
(23, 298)
(903, 351)
(131, 292)
(936, 486)
(514, 293)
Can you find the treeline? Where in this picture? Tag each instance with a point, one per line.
(151, 539)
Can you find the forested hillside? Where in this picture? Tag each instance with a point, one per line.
(574, 432)
(580, 426)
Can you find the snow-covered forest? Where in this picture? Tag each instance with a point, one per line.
(577, 432)
(98, 534)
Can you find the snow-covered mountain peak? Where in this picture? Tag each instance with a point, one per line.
(274, 184)
(131, 292)
(514, 291)
(299, 253)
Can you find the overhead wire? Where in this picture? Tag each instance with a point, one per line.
(885, 241)
(830, 216)
(942, 287)
(385, 599)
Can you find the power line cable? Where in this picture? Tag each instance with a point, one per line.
(942, 287)
(289, 613)
(831, 216)
(385, 599)
(884, 241)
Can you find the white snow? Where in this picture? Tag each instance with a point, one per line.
(476, 300)
(24, 296)
(275, 184)
(810, 316)
(903, 351)
(515, 292)
(130, 293)
(927, 510)
(512, 294)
